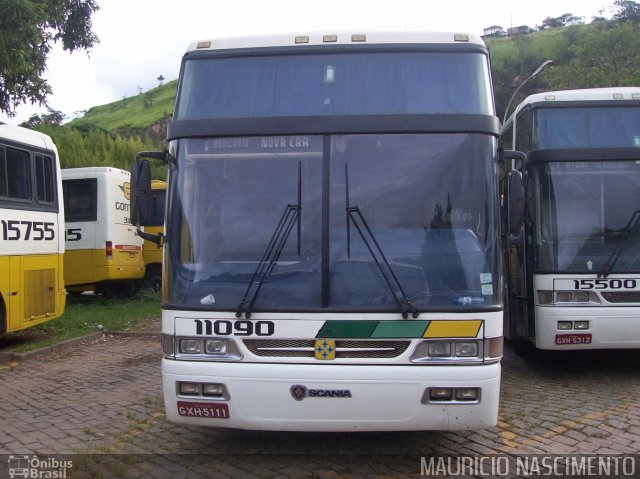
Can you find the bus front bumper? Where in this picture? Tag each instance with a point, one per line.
(293, 397)
(608, 327)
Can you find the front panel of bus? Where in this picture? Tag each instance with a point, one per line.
(339, 248)
(584, 179)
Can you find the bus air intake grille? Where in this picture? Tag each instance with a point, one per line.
(345, 349)
(622, 296)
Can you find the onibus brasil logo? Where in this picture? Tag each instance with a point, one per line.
(35, 467)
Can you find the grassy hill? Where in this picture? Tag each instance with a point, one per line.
(131, 115)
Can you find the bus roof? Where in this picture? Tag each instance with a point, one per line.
(336, 38)
(88, 171)
(590, 94)
(587, 94)
(26, 136)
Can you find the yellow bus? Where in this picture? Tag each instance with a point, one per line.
(31, 230)
(103, 251)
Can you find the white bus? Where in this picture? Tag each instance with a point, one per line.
(574, 273)
(31, 230)
(103, 250)
(332, 261)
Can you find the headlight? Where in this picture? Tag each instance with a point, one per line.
(567, 298)
(466, 350)
(456, 351)
(215, 346)
(190, 346)
(207, 349)
(439, 350)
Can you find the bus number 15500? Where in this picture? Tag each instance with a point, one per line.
(604, 283)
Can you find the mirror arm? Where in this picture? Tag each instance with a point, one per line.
(154, 238)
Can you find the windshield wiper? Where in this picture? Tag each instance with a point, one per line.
(291, 215)
(624, 235)
(354, 215)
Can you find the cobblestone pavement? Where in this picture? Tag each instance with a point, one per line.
(105, 398)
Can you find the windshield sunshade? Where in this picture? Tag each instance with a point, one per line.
(334, 84)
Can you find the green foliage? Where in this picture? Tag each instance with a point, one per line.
(28, 29)
(98, 148)
(601, 54)
(52, 117)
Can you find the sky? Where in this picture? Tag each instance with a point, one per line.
(143, 39)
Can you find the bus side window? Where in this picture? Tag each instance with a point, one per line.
(3, 174)
(17, 171)
(79, 200)
(44, 179)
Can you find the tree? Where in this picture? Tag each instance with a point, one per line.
(604, 56)
(161, 79)
(28, 31)
(561, 21)
(626, 10)
(148, 99)
(52, 117)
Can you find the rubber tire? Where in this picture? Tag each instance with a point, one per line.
(117, 289)
(153, 277)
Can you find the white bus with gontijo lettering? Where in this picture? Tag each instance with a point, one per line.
(574, 273)
(331, 250)
(31, 230)
(103, 251)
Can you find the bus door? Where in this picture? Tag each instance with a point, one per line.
(515, 285)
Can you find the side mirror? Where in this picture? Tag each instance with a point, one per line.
(516, 206)
(141, 198)
(140, 192)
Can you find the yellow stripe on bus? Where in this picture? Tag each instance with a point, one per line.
(453, 329)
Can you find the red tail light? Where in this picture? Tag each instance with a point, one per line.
(109, 249)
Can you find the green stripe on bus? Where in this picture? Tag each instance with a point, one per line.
(400, 329)
(347, 329)
(372, 329)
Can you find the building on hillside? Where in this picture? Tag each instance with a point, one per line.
(521, 30)
(494, 31)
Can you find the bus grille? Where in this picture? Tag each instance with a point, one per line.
(345, 348)
(622, 296)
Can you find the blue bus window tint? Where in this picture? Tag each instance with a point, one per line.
(44, 179)
(587, 127)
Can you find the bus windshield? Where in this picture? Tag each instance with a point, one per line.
(425, 197)
(586, 127)
(583, 211)
(334, 84)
